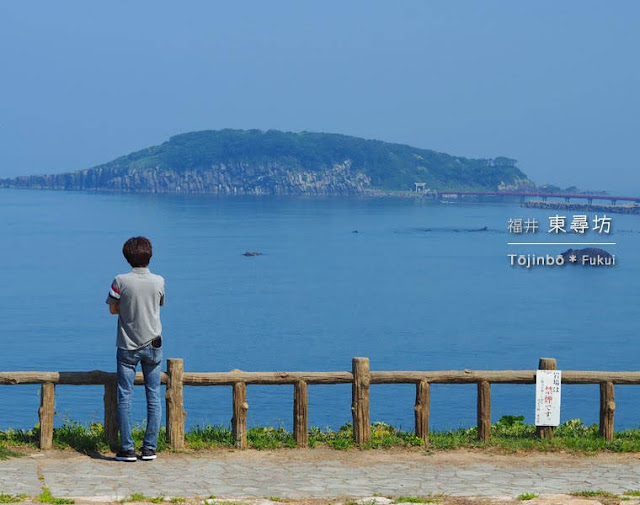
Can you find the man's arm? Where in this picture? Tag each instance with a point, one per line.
(113, 299)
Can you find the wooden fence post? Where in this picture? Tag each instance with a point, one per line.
(607, 409)
(239, 419)
(111, 413)
(546, 364)
(360, 401)
(421, 409)
(175, 403)
(46, 413)
(484, 411)
(301, 413)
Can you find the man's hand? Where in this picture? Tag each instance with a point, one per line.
(114, 308)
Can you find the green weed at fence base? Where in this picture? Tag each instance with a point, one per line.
(12, 498)
(6, 453)
(509, 434)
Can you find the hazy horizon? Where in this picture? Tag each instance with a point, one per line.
(551, 85)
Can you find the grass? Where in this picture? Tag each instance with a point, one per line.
(12, 498)
(527, 496)
(592, 494)
(87, 438)
(510, 434)
(141, 497)
(632, 492)
(413, 499)
(6, 453)
(47, 497)
(383, 436)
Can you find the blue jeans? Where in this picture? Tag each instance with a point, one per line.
(151, 360)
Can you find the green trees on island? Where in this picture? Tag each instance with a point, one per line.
(390, 166)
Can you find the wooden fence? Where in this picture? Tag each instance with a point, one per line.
(175, 378)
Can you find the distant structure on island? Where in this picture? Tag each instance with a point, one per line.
(255, 162)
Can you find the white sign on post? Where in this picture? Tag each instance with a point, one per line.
(548, 397)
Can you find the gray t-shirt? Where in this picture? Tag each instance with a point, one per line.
(140, 294)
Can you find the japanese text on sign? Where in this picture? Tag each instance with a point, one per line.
(548, 383)
(558, 224)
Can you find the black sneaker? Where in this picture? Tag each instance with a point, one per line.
(147, 454)
(129, 455)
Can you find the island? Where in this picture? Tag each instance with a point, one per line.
(256, 162)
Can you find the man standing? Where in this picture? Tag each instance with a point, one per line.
(136, 297)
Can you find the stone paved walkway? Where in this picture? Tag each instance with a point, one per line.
(316, 473)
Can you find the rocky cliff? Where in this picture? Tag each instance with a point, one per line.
(223, 179)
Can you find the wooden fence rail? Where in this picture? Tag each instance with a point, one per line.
(360, 377)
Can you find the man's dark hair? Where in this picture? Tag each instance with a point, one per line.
(137, 250)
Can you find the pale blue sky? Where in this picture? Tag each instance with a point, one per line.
(552, 84)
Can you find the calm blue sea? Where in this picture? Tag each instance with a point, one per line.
(414, 289)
